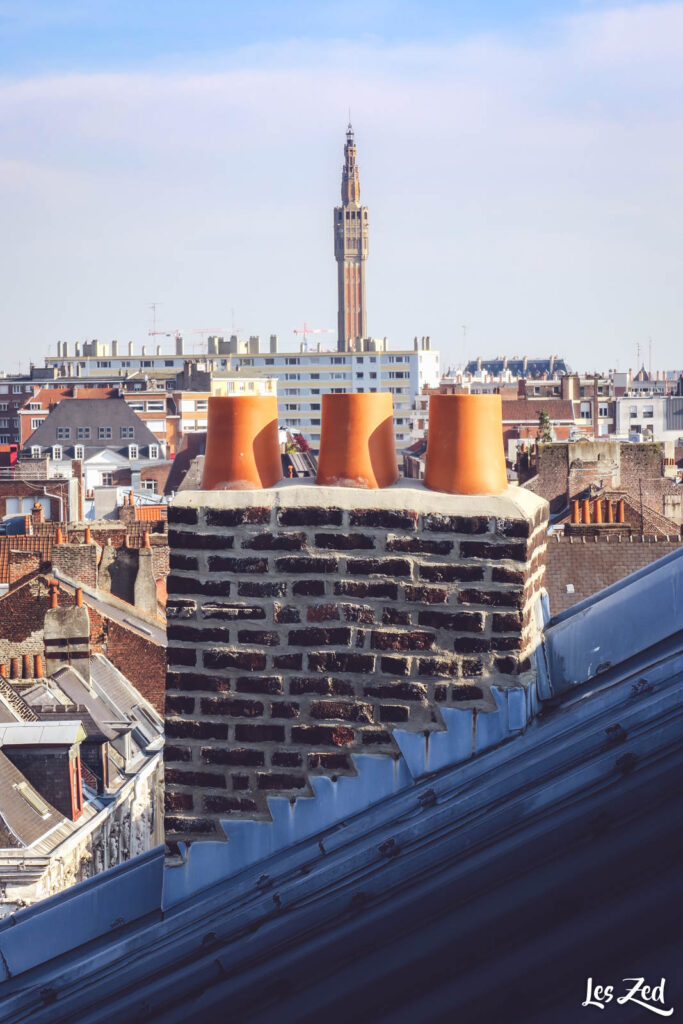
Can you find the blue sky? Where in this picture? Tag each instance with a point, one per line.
(522, 162)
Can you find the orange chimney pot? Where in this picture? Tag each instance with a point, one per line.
(357, 446)
(242, 446)
(465, 453)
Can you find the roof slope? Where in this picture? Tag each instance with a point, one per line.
(25, 824)
(92, 414)
(482, 892)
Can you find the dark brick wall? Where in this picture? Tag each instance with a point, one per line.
(298, 635)
(47, 769)
(77, 561)
(591, 565)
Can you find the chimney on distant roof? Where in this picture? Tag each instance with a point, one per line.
(67, 638)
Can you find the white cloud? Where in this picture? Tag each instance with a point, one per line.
(530, 191)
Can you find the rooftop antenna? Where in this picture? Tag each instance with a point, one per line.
(649, 360)
(153, 307)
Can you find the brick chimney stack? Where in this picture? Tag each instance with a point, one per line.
(67, 636)
(309, 623)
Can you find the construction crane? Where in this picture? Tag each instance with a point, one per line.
(307, 329)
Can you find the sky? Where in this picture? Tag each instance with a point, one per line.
(522, 162)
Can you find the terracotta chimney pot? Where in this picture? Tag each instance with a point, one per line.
(14, 668)
(576, 514)
(79, 597)
(465, 453)
(585, 511)
(38, 666)
(26, 666)
(357, 446)
(87, 538)
(242, 447)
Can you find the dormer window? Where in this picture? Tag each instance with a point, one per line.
(57, 452)
(79, 451)
(132, 451)
(154, 451)
(35, 451)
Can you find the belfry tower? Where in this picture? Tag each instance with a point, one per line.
(351, 252)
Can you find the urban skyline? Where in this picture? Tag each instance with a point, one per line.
(535, 146)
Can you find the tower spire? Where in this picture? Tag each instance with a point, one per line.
(351, 251)
(350, 188)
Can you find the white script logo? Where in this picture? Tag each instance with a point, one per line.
(640, 994)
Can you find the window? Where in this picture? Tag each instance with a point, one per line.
(201, 405)
(103, 364)
(63, 433)
(4, 406)
(603, 410)
(104, 433)
(35, 451)
(57, 452)
(648, 412)
(132, 451)
(137, 406)
(359, 376)
(79, 451)
(125, 432)
(16, 389)
(83, 433)
(125, 363)
(585, 411)
(34, 405)
(168, 362)
(149, 485)
(157, 405)
(35, 422)
(146, 362)
(107, 479)
(633, 412)
(4, 438)
(154, 451)
(373, 375)
(32, 799)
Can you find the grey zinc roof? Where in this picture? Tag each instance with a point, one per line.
(21, 734)
(107, 721)
(92, 413)
(121, 695)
